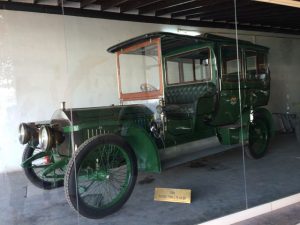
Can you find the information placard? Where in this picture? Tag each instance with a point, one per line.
(173, 195)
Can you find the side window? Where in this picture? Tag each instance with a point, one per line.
(173, 72)
(230, 63)
(202, 69)
(188, 70)
(256, 65)
(189, 67)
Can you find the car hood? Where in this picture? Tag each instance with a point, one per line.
(107, 113)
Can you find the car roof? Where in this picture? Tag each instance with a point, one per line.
(172, 41)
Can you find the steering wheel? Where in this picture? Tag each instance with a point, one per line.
(147, 87)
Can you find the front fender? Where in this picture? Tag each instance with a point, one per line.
(144, 147)
(27, 162)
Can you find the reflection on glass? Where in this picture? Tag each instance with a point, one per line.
(256, 63)
(189, 67)
(188, 71)
(202, 69)
(140, 70)
(276, 176)
(173, 72)
(230, 63)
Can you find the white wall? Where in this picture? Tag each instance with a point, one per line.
(46, 59)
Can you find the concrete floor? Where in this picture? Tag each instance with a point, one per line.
(217, 184)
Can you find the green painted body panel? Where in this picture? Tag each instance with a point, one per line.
(227, 111)
(201, 110)
(129, 121)
(235, 133)
(144, 147)
(190, 105)
(229, 136)
(185, 112)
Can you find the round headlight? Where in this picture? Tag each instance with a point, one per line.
(159, 109)
(45, 138)
(24, 133)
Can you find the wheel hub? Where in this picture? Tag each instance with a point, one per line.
(102, 175)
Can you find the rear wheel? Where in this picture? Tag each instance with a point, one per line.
(34, 170)
(100, 176)
(259, 136)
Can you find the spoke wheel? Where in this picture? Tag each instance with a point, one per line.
(259, 137)
(35, 170)
(100, 176)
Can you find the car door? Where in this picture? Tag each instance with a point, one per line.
(231, 86)
(188, 83)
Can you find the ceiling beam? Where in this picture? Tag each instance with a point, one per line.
(107, 4)
(161, 5)
(186, 12)
(84, 3)
(271, 19)
(178, 8)
(215, 9)
(131, 5)
(246, 11)
(289, 3)
(212, 5)
(256, 16)
(38, 8)
(187, 6)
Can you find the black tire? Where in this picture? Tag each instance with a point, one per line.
(34, 174)
(94, 203)
(259, 138)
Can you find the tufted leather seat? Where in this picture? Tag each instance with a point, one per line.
(184, 94)
(181, 100)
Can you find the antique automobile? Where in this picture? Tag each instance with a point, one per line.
(181, 98)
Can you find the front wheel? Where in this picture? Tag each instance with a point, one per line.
(259, 136)
(100, 176)
(35, 168)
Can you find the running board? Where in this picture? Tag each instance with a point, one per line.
(183, 153)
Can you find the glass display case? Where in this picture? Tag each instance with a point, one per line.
(107, 113)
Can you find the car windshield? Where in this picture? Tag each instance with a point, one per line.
(139, 70)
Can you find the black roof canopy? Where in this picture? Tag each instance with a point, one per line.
(171, 41)
(168, 41)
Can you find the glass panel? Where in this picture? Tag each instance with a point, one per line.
(230, 63)
(271, 90)
(188, 71)
(173, 72)
(143, 75)
(256, 65)
(196, 120)
(33, 82)
(202, 69)
(189, 67)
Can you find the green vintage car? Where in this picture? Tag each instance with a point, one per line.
(181, 98)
